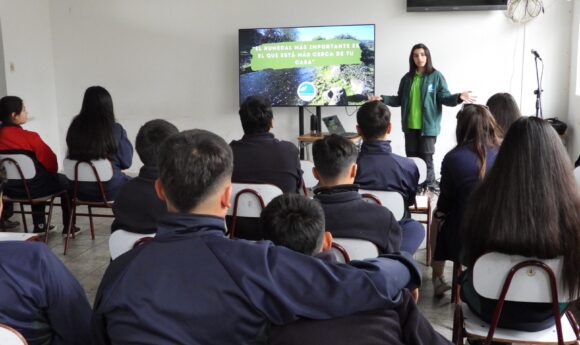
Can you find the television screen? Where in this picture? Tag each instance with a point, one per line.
(308, 66)
(455, 5)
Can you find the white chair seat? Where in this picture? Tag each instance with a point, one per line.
(358, 249)
(10, 336)
(391, 200)
(475, 327)
(121, 241)
(248, 204)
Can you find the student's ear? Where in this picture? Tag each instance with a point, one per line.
(226, 196)
(315, 173)
(327, 241)
(389, 127)
(160, 191)
(352, 171)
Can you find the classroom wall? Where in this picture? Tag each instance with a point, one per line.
(177, 59)
(574, 90)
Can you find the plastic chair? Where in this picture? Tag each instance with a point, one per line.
(308, 179)
(248, 200)
(516, 278)
(21, 168)
(340, 253)
(422, 205)
(357, 249)
(96, 171)
(121, 241)
(10, 336)
(391, 200)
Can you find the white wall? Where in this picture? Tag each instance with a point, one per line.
(574, 90)
(177, 59)
(27, 46)
(2, 72)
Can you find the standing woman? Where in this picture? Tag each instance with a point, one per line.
(462, 170)
(15, 139)
(421, 95)
(94, 134)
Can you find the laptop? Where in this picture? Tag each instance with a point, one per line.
(335, 127)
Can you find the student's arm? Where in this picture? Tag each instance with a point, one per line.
(43, 153)
(444, 96)
(393, 234)
(284, 285)
(68, 310)
(445, 186)
(395, 101)
(124, 147)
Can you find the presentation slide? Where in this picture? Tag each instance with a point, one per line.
(308, 66)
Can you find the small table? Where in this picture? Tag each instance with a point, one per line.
(307, 139)
(19, 236)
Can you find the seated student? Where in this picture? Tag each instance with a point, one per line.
(529, 205)
(15, 139)
(297, 222)
(346, 213)
(94, 134)
(261, 158)
(380, 169)
(39, 297)
(192, 285)
(504, 109)
(137, 206)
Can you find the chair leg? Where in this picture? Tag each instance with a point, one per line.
(428, 234)
(49, 219)
(24, 225)
(91, 222)
(457, 335)
(455, 282)
(71, 221)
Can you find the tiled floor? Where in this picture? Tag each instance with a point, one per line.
(89, 259)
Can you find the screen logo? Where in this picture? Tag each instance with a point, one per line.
(306, 91)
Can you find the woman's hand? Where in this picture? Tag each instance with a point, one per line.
(467, 97)
(375, 98)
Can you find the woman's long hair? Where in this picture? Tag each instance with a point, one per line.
(477, 130)
(428, 65)
(529, 203)
(90, 134)
(504, 109)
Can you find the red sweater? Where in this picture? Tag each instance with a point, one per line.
(16, 138)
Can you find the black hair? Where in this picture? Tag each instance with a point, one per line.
(504, 109)
(192, 165)
(428, 64)
(149, 139)
(90, 134)
(10, 105)
(528, 204)
(294, 221)
(476, 129)
(256, 115)
(373, 118)
(333, 155)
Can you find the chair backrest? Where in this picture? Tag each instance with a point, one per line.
(529, 284)
(358, 249)
(122, 241)
(249, 199)
(19, 236)
(86, 173)
(18, 166)
(422, 166)
(391, 200)
(340, 253)
(308, 177)
(577, 175)
(10, 336)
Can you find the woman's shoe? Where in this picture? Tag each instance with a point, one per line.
(440, 287)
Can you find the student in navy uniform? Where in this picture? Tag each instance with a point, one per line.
(462, 170)
(94, 134)
(297, 222)
(137, 206)
(261, 158)
(380, 169)
(504, 109)
(39, 297)
(346, 213)
(192, 285)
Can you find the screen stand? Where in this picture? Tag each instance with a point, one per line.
(301, 129)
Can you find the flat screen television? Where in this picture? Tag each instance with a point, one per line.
(455, 5)
(308, 66)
